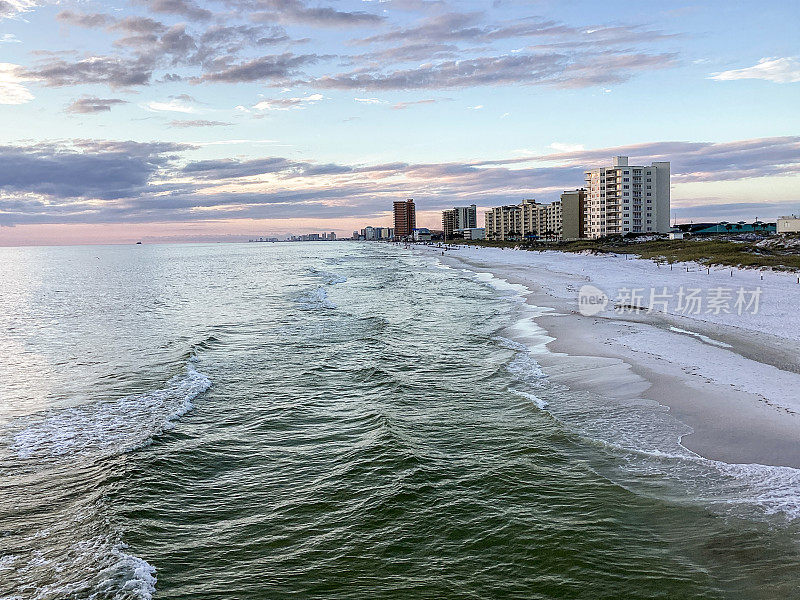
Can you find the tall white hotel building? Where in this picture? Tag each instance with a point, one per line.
(627, 199)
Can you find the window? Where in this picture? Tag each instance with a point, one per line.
(626, 179)
(649, 221)
(649, 194)
(626, 187)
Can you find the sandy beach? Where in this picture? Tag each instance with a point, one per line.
(730, 379)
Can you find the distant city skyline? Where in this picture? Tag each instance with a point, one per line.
(189, 120)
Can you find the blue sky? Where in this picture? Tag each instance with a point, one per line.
(182, 119)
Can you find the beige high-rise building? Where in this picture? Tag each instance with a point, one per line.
(627, 199)
(504, 222)
(528, 220)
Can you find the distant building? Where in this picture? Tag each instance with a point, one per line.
(356, 235)
(788, 224)
(405, 219)
(504, 222)
(627, 199)
(448, 223)
(532, 220)
(314, 237)
(375, 234)
(472, 233)
(423, 234)
(573, 214)
(740, 227)
(459, 217)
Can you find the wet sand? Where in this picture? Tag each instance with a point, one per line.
(729, 389)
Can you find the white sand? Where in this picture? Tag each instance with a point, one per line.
(733, 379)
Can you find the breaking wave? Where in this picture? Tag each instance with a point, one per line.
(315, 299)
(108, 428)
(641, 441)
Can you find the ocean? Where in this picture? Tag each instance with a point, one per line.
(339, 420)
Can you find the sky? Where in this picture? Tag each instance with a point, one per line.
(187, 120)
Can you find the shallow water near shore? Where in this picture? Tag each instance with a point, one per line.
(341, 420)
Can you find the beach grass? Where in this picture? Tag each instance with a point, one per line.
(713, 252)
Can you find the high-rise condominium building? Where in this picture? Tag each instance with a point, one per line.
(561, 219)
(504, 222)
(627, 199)
(405, 219)
(459, 217)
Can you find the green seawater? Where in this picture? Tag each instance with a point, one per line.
(345, 421)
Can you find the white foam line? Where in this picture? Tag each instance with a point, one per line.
(701, 337)
(108, 428)
(775, 489)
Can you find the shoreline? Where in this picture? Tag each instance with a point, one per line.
(730, 387)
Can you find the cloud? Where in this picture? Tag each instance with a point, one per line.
(114, 71)
(296, 11)
(370, 100)
(287, 103)
(146, 46)
(198, 123)
(777, 70)
(694, 162)
(83, 169)
(140, 25)
(408, 51)
(11, 89)
(174, 105)
(87, 20)
(9, 38)
(714, 209)
(405, 105)
(527, 69)
(183, 8)
(92, 105)
(11, 8)
(91, 182)
(275, 67)
(413, 5)
(442, 50)
(473, 27)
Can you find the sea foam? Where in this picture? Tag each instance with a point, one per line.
(315, 299)
(644, 439)
(108, 428)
